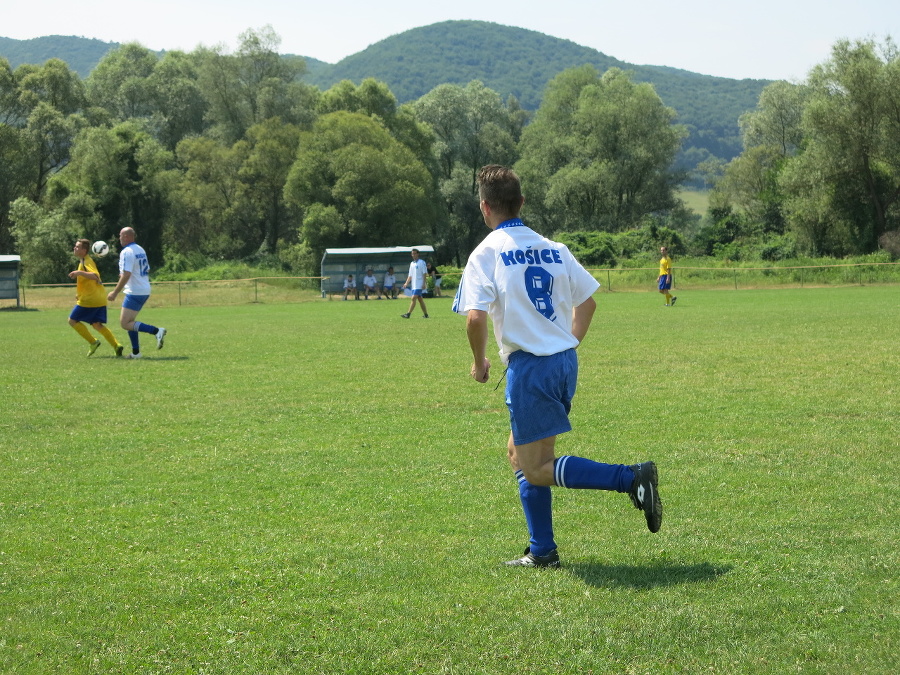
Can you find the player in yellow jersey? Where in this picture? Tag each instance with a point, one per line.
(90, 300)
(665, 276)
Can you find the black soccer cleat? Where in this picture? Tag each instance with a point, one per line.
(644, 494)
(531, 560)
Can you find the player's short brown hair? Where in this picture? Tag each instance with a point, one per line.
(84, 243)
(500, 187)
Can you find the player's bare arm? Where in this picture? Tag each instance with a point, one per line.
(581, 318)
(123, 279)
(477, 332)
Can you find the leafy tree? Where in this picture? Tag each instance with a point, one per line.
(710, 170)
(121, 84)
(273, 148)
(472, 127)
(39, 116)
(252, 85)
(11, 110)
(355, 185)
(179, 108)
(845, 186)
(54, 84)
(777, 120)
(44, 239)
(121, 171)
(751, 184)
(209, 213)
(15, 159)
(592, 249)
(598, 153)
(49, 136)
(373, 98)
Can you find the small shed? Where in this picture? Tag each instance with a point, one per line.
(9, 277)
(337, 263)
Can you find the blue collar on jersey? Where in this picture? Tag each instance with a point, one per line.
(512, 222)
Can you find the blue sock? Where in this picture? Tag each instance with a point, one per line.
(581, 473)
(536, 502)
(135, 344)
(145, 328)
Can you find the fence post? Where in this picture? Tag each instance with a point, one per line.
(735, 278)
(256, 290)
(608, 282)
(179, 294)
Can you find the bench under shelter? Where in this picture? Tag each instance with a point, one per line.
(337, 263)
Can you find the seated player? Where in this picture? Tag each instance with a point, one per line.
(350, 287)
(370, 284)
(389, 288)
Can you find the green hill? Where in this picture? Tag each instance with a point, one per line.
(520, 62)
(512, 61)
(81, 54)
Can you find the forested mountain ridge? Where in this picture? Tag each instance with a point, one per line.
(80, 54)
(512, 61)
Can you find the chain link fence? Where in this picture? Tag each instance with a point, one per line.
(280, 290)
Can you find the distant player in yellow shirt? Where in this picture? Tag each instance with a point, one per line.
(90, 300)
(665, 276)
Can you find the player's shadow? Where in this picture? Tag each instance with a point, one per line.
(646, 576)
(157, 358)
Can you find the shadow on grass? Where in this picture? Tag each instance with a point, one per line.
(159, 358)
(646, 576)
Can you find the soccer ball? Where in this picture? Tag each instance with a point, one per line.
(100, 248)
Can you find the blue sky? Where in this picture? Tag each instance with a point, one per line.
(767, 39)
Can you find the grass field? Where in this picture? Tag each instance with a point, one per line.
(319, 487)
(696, 200)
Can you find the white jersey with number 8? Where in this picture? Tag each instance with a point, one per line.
(540, 283)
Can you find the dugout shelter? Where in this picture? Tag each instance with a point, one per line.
(10, 266)
(337, 263)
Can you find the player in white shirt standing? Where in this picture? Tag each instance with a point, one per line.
(418, 272)
(539, 299)
(134, 279)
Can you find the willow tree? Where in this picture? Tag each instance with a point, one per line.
(599, 152)
(354, 184)
(843, 190)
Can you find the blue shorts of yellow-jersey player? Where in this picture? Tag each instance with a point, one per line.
(89, 315)
(664, 282)
(135, 302)
(539, 391)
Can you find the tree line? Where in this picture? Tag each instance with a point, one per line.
(820, 169)
(217, 156)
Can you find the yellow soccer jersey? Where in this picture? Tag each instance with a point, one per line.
(88, 292)
(665, 266)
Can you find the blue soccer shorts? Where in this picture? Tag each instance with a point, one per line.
(539, 392)
(90, 315)
(135, 302)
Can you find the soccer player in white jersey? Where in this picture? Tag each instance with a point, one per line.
(539, 299)
(134, 279)
(418, 272)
